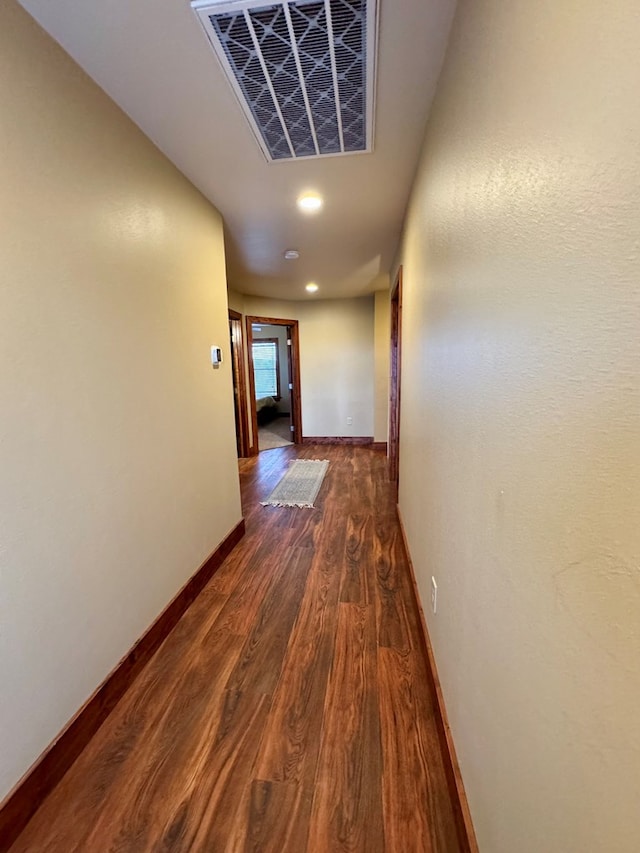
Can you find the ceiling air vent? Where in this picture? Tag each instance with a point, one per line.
(303, 71)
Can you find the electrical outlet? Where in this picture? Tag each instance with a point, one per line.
(434, 594)
(349, 421)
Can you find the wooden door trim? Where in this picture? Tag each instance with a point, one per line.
(296, 406)
(239, 376)
(394, 395)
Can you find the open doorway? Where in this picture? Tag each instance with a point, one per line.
(239, 386)
(274, 382)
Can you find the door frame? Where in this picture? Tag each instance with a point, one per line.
(294, 376)
(239, 383)
(394, 393)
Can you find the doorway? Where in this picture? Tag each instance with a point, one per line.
(239, 386)
(274, 382)
(394, 401)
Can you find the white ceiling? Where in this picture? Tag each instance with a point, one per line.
(153, 59)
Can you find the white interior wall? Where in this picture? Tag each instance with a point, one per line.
(117, 451)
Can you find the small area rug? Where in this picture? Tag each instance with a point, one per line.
(300, 485)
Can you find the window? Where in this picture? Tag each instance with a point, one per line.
(266, 367)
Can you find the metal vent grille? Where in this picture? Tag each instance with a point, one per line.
(303, 71)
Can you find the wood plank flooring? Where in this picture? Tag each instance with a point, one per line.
(289, 710)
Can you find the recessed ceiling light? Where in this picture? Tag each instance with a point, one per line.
(291, 255)
(310, 203)
(311, 287)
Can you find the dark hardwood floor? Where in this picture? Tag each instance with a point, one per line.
(290, 708)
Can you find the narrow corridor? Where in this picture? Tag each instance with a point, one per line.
(289, 710)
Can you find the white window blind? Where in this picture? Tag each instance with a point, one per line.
(265, 368)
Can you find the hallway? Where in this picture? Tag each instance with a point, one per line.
(289, 710)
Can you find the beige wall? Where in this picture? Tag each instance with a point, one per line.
(117, 447)
(520, 463)
(336, 361)
(236, 301)
(382, 345)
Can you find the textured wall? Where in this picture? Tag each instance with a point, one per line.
(520, 464)
(117, 451)
(336, 360)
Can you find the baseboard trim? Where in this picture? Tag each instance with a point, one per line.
(379, 445)
(359, 440)
(22, 802)
(464, 824)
